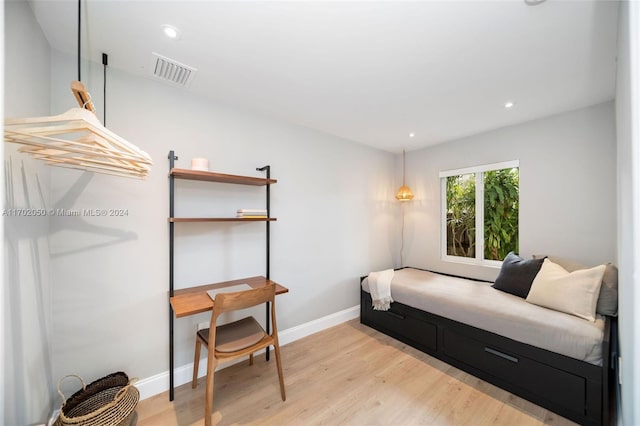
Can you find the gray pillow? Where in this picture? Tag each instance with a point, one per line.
(608, 299)
(517, 274)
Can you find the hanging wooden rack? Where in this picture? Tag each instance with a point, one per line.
(77, 139)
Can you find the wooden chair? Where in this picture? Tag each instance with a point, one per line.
(237, 339)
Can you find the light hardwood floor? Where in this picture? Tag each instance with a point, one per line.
(347, 375)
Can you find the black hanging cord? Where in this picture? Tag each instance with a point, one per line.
(79, 33)
(105, 62)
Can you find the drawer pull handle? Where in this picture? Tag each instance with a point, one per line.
(501, 355)
(393, 314)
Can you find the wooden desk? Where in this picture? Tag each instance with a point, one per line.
(194, 300)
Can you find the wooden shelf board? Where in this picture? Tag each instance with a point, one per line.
(194, 300)
(220, 177)
(222, 219)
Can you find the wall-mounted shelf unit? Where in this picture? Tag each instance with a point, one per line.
(186, 174)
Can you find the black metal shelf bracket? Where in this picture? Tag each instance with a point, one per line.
(267, 169)
(172, 159)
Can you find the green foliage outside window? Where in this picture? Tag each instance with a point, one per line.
(461, 215)
(501, 205)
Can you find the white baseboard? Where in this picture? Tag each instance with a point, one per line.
(303, 330)
(159, 383)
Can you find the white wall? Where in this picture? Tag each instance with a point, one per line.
(3, 297)
(567, 188)
(27, 367)
(332, 201)
(628, 128)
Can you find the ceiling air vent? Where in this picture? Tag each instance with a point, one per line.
(172, 71)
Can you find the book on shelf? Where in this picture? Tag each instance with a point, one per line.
(252, 211)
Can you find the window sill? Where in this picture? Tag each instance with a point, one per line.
(493, 264)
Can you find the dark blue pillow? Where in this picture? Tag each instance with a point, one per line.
(517, 275)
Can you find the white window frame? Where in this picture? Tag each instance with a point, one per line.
(479, 176)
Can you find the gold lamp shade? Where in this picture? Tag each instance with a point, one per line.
(404, 194)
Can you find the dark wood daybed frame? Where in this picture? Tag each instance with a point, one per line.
(575, 389)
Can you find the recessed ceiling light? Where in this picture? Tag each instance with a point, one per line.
(509, 104)
(171, 31)
(412, 135)
(533, 2)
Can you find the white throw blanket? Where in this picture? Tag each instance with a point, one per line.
(380, 288)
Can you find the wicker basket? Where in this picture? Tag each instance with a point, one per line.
(109, 401)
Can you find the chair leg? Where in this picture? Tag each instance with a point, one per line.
(276, 349)
(196, 364)
(251, 358)
(208, 396)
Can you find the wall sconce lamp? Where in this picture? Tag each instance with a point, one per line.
(404, 193)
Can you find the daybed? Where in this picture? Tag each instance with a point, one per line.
(554, 359)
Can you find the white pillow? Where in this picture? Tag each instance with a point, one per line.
(574, 293)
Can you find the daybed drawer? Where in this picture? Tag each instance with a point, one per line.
(555, 385)
(401, 322)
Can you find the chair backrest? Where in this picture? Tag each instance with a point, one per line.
(225, 302)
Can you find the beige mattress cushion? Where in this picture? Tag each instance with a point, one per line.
(479, 305)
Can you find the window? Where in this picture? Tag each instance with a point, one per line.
(480, 212)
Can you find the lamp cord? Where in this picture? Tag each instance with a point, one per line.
(403, 167)
(402, 236)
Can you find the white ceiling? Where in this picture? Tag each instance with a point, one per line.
(370, 72)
